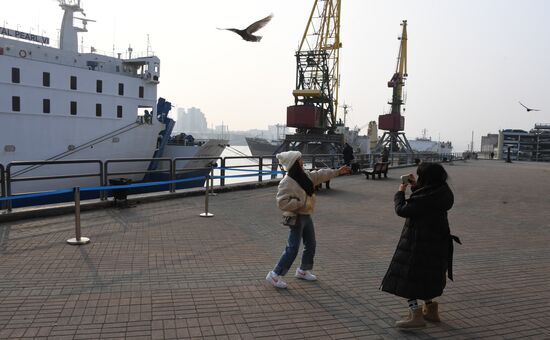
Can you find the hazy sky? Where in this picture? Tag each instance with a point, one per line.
(470, 61)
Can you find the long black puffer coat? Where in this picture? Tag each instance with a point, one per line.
(419, 266)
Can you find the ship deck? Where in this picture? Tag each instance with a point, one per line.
(158, 270)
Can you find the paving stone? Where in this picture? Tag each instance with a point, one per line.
(160, 271)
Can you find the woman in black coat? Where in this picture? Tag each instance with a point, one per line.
(424, 253)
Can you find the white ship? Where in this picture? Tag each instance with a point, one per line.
(59, 104)
(426, 145)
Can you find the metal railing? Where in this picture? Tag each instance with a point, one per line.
(108, 174)
(266, 165)
(257, 162)
(176, 171)
(9, 180)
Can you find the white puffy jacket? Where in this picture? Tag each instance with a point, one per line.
(292, 199)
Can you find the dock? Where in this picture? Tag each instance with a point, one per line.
(160, 271)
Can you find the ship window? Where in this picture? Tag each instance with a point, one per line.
(120, 89)
(46, 105)
(118, 68)
(99, 86)
(141, 91)
(15, 104)
(119, 111)
(98, 110)
(46, 79)
(73, 108)
(15, 76)
(73, 82)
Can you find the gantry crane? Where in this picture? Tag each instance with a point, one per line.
(317, 79)
(394, 123)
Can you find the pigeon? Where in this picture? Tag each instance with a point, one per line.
(528, 109)
(246, 34)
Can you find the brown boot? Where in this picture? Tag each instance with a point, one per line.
(415, 320)
(430, 312)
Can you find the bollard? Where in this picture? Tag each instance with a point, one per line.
(78, 239)
(212, 193)
(206, 213)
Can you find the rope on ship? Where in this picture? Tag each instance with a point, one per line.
(240, 153)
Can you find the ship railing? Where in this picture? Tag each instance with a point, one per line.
(9, 180)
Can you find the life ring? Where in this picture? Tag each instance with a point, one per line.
(22, 53)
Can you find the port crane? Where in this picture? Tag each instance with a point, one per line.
(393, 123)
(317, 79)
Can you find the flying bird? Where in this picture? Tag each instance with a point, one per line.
(528, 109)
(246, 34)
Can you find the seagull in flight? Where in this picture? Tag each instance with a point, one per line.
(246, 34)
(528, 109)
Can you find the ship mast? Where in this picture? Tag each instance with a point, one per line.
(68, 38)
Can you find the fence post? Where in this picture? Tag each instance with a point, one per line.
(260, 169)
(222, 172)
(8, 187)
(78, 239)
(172, 175)
(104, 180)
(274, 167)
(206, 213)
(212, 193)
(2, 186)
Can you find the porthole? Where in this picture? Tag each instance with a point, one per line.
(9, 148)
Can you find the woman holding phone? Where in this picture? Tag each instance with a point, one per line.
(423, 256)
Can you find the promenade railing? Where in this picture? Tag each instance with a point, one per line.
(176, 170)
(9, 180)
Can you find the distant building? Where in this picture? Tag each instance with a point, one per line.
(191, 121)
(525, 146)
(277, 131)
(489, 143)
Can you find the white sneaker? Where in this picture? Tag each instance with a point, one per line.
(275, 280)
(305, 275)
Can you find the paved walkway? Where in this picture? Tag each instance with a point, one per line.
(160, 271)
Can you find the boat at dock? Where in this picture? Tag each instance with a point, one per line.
(61, 104)
(261, 146)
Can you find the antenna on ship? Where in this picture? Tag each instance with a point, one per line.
(345, 107)
(148, 45)
(424, 133)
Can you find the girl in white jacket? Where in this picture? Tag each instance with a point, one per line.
(296, 198)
